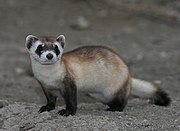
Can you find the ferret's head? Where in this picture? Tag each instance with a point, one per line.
(45, 50)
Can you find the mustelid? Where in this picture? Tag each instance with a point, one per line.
(97, 70)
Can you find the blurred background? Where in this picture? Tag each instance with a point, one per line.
(145, 34)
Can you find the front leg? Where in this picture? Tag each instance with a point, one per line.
(51, 101)
(70, 96)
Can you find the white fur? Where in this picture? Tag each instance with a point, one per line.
(59, 47)
(49, 75)
(142, 89)
(43, 59)
(98, 82)
(33, 49)
(62, 38)
(34, 46)
(29, 37)
(48, 72)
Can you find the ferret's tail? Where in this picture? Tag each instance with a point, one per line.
(147, 90)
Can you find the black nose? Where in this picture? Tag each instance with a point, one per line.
(49, 56)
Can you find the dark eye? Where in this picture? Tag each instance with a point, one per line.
(40, 48)
(56, 49)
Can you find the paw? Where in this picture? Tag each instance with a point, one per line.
(114, 109)
(46, 108)
(64, 112)
(111, 109)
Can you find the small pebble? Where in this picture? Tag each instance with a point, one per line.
(157, 82)
(26, 126)
(164, 54)
(19, 70)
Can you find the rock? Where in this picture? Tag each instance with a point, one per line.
(3, 103)
(80, 24)
(43, 116)
(14, 128)
(26, 126)
(1, 123)
(145, 123)
(19, 71)
(139, 56)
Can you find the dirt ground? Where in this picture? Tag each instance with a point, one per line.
(149, 45)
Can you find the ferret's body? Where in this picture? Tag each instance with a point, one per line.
(96, 70)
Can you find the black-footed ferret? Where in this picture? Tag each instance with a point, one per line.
(97, 70)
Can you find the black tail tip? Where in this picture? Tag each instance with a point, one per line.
(161, 98)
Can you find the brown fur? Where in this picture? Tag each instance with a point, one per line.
(69, 70)
(91, 53)
(47, 39)
(85, 56)
(125, 86)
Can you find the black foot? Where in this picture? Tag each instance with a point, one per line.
(114, 109)
(64, 112)
(48, 107)
(118, 102)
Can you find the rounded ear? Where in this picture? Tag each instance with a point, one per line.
(29, 40)
(61, 40)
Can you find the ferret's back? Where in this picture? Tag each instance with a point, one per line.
(89, 53)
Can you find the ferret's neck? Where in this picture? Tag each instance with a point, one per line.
(57, 68)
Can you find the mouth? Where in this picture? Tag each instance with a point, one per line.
(44, 62)
(47, 62)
